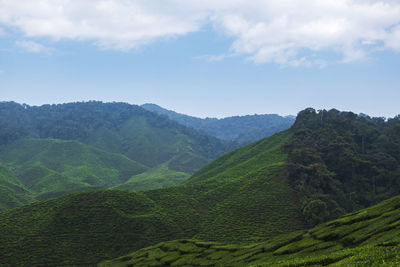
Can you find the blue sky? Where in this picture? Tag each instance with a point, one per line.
(228, 61)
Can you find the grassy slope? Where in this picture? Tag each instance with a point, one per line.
(93, 226)
(129, 130)
(248, 183)
(12, 192)
(370, 237)
(50, 167)
(152, 144)
(157, 177)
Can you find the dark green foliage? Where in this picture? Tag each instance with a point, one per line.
(243, 200)
(370, 237)
(115, 127)
(57, 149)
(242, 129)
(339, 162)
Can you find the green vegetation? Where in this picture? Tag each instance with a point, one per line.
(328, 163)
(250, 203)
(130, 130)
(46, 168)
(53, 150)
(370, 237)
(157, 177)
(241, 129)
(340, 162)
(12, 192)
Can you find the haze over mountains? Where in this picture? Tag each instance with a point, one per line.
(241, 129)
(327, 164)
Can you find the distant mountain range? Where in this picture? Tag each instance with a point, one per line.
(241, 129)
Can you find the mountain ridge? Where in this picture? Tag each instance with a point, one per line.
(241, 129)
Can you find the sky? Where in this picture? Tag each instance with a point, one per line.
(204, 58)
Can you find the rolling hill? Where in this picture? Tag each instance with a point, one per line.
(56, 149)
(241, 129)
(321, 168)
(51, 167)
(85, 228)
(369, 237)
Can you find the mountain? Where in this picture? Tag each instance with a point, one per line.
(241, 129)
(327, 164)
(370, 237)
(52, 150)
(87, 227)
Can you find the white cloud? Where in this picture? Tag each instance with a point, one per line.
(32, 47)
(285, 32)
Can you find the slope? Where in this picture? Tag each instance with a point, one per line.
(370, 237)
(88, 227)
(157, 177)
(115, 127)
(242, 129)
(339, 162)
(12, 192)
(173, 152)
(49, 167)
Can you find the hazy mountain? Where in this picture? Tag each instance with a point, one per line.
(242, 129)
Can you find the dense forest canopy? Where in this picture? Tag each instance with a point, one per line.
(77, 121)
(340, 162)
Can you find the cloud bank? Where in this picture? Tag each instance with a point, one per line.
(286, 32)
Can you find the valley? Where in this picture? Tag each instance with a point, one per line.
(90, 200)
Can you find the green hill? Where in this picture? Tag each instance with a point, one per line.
(88, 227)
(241, 129)
(370, 237)
(122, 128)
(49, 167)
(56, 149)
(157, 177)
(328, 163)
(340, 162)
(12, 192)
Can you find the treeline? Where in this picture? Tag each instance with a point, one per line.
(340, 162)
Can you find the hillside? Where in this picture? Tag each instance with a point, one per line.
(370, 237)
(50, 167)
(88, 227)
(12, 192)
(56, 149)
(339, 162)
(280, 184)
(241, 129)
